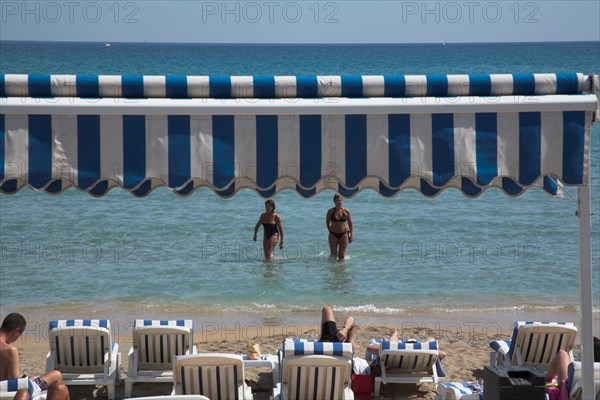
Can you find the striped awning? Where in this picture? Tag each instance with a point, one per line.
(308, 134)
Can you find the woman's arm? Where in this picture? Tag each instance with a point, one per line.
(280, 226)
(350, 226)
(328, 219)
(257, 226)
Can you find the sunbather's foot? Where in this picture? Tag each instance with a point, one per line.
(441, 355)
(393, 335)
(342, 334)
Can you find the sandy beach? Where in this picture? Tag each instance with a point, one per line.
(467, 352)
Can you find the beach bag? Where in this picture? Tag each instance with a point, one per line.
(362, 386)
(253, 351)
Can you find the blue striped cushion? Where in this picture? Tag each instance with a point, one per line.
(13, 385)
(404, 345)
(78, 323)
(302, 347)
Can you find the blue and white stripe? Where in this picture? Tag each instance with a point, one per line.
(225, 87)
(303, 348)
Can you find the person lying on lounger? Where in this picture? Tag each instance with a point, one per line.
(375, 344)
(558, 372)
(50, 383)
(330, 331)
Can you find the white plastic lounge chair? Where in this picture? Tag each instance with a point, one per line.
(84, 352)
(534, 343)
(9, 388)
(458, 391)
(315, 370)
(574, 383)
(216, 376)
(155, 345)
(403, 362)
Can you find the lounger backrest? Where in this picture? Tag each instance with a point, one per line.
(9, 388)
(158, 342)
(216, 376)
(316, 377)
(80, 345)
(538, 342)
(409, 357)
(574, 383)
(298, 347)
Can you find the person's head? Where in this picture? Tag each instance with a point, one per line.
(596, 349)
(270, 203)
(337, 199)
(14, 325)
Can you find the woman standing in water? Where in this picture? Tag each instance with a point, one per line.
(272, 229)
(340, 227)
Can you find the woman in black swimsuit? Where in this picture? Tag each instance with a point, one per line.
(272, 229)
(340, 227)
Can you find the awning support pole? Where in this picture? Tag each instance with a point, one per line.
(585, 290)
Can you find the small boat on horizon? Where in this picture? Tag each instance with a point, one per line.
(106, 44)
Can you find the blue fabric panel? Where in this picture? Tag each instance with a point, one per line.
(40, 150)
(567, 83)
(306, 86)
(134, 150)
(386, 191)
(352, 86)
(144, 189)
(223, 150)
(10, 186)
(318, 348)
(356, 149)
(87, 86)
(53, 324)
(427, 189)
(442, 126)
(266, 150)
(437, 85)
(523, 84)
(530, 150)
(509, 186)
(88, 150)
(54, 187)
(100, 189)
(398, 148)
(310, 150)
(298, 348)
(39, 85)
(468, 187)
(2, 156)
(550, 186)
(220, 87)
(480, 85)
(345, 192)
(573, 146)
(486, 147)
(132, 86)
(306, 193)
(394, 86)
(264, 87)
(187, 189)
(2, 87)
(227, 192)
(267, 193)
(179, 150)
(176, 87)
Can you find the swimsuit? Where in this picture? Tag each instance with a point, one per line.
(333, 218)
(270, 230)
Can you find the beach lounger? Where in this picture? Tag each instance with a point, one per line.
(216, 376)
(534, 343)
(9, 388)
(404, 362)
(574, 383)
(83, 351)
(155, 345)
(314, 370)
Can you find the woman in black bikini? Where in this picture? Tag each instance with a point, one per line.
(272, 229)
(341, 230)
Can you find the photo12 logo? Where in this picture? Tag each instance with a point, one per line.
(271, 12)
(453, 12)
(54, 12)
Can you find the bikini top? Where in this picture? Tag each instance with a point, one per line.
(333, 218)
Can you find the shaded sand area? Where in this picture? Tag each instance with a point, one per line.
(467, 353)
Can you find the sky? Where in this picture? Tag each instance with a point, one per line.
(274, 21)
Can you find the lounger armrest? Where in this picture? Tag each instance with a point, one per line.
(132, 368)
(277, 391)
(50, 361)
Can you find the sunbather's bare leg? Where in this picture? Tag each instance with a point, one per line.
(394, 335)
(327, 315)
(22, 394)
(559, 368)
(441, 354)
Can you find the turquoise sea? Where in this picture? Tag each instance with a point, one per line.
(411, 255)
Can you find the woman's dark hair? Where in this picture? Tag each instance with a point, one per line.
(271, 202)
(336, 196)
